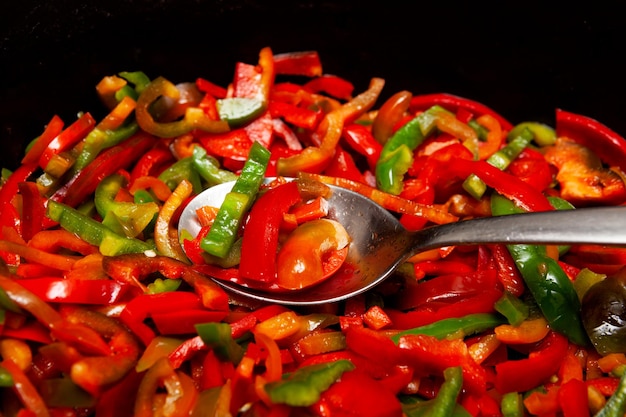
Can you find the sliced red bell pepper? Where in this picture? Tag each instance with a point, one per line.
(573, 399)
(261, 232)
(33, 209)
(143, 306)
(356, 393)
(208, 87)
(108, 162)
(332, 85)
(531, 167)
(77, 291)
(603, 141)
(361, 140)
(295, 115)
(52, 130)
(67, 138)
(525, 374)
(183, 321)
(151, 162)
(454, 103)
(10, 188)
(342, 165)
(305, 63)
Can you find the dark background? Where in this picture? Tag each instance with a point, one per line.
(523, 59)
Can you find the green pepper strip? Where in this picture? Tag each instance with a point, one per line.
(397, 154)
(551, 288)
(183, 169)
(467, 325)
(512, 308)
(218, 336)
(208, 168)
(445, 403)
(512, 405)
(99, 139)
(616, 404)
(124, 218)
(237, 202)
(6, 380)
(94, 232)
(501, 160)
(544, 135)
(302, 388)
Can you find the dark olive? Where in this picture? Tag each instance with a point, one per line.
(604, 314)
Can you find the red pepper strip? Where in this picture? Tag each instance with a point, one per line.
(52, 241)
(531, 167)
(186, 350)
(67, 138)
(297, 116)
(261, 130)
(454, 103)
(479, 303)
(332, 85)
(151, 162)
(44, 313)
(59, 262)
(573, 399)
(52, 130)
(373, 345)
(31, 330)
(445, 289)
(393, 111)
(261, 232)
(432, 356)
(233, 145)
(165, 231)
(390, 202)
(77, 291)
(183, 321)
(95, 373)
(132, 268)
(305, 63)
(106, 163)
(440, 267)
(286, 134)
(356, 393)
(33, 209)
(156, 185)
(331, 126)
(143, 306)
(26, 391)
(507, 271)
(342, 165)
(119, 397)
(541, 364)
(208, 87)
(511, 187)
(361, 140)
(10, 188)
(604, 142)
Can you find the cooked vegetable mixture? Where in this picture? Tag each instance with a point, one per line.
(105, 310)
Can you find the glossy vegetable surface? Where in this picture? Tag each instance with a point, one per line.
(103, 313)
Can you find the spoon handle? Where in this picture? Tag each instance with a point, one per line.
(605, 225)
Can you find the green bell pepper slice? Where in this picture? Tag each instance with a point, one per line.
(218, 336)
(548, 283)
(237, 203)
(467, 325)
(445, 403)
(94, 232)
(303, 387)
(209, 169)
(397, 154)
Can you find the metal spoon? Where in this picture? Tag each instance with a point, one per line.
(380, 243)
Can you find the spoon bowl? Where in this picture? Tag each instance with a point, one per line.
(380, 244)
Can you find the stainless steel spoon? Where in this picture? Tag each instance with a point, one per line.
(380, 243)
